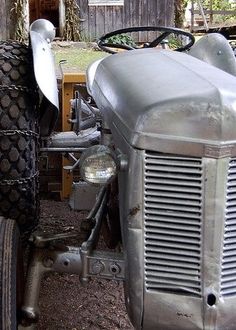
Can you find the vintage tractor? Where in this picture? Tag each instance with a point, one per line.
(165, 162)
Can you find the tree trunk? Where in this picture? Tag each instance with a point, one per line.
(179, 13)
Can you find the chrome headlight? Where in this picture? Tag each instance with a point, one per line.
(98, 165)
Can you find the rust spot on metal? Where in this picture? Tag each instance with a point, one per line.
(134, 211)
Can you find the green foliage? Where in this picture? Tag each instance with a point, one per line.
(122, 39)
(174, 42)
(218, 4)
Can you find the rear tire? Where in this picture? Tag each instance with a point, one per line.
(19, 193)
(11, 274)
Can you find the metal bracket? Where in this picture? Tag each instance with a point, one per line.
(50, 256)
(108, 265)
(76, 163)
(65, 259)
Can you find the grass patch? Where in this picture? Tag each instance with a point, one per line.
(77, 59)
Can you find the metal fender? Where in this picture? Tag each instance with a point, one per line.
(214, 49)
(42, 32)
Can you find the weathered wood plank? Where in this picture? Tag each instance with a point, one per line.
(217, 12)
(127, 13)
(143, 19)
(3, 22)
(10, 29)
(100, 21)
(169, 12)
(118, 18)
(92, 23)
(162, 13)
(136, 12)
(103, 19)
(83, 5)
(109, 24)
(152, 14)
(134, 17)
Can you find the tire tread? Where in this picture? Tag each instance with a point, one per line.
(18, 152)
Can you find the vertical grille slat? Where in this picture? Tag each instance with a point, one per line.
(173, 220)
(228, 271)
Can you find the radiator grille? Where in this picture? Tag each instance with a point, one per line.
(228, 275)
(173, 217)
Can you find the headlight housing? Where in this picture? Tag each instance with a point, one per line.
(98, 165)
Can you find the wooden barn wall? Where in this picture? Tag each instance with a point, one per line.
(5, 21)
(102, 19)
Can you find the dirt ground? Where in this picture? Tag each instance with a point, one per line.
(64, 303)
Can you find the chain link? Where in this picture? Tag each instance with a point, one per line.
(12, 182)
(17, 88)
(18, 132)
(13, 57)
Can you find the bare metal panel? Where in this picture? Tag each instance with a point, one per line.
(176, 125)
(171, 99)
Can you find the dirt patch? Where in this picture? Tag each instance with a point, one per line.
(64, 303)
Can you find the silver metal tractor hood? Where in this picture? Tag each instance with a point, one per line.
(174, 118)
(152, 94)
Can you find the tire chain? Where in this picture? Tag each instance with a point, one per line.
(18, 181)
(12, 57)
(16, 88)
(18, 78)
(17, 132)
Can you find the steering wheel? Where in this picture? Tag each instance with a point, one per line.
(164, 33)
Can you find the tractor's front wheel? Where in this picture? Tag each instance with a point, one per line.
(19, 197)
(11, 274)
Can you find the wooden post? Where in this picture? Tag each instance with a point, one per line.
(203, 15)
